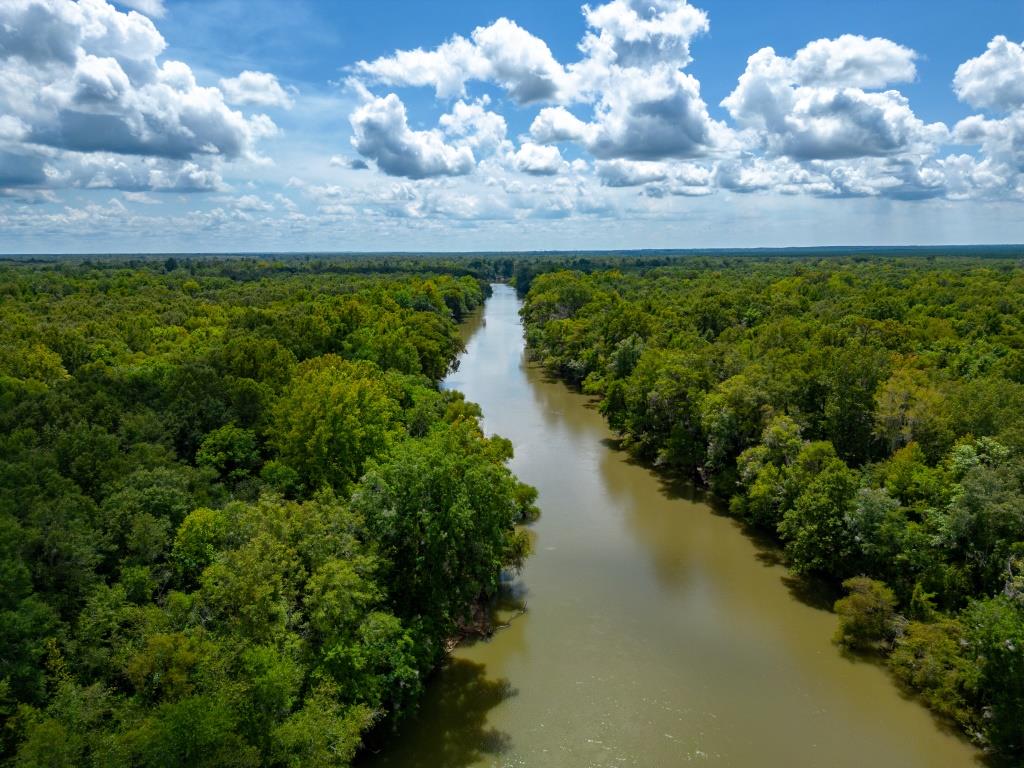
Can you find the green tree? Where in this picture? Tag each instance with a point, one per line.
(444, 509)
(995, 633)
(231, 451)
(929, 659)
(333, 417)
(324, 733)
(867, 615)
(815, 528)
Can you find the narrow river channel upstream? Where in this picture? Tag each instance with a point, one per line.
(654, 632)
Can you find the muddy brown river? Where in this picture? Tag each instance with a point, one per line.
(645, 630)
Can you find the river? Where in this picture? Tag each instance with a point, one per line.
(655, 632)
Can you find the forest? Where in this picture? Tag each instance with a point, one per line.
(865, 412)
(242, 523)
(239, 521)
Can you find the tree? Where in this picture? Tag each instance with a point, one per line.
(875, 523)
(929, 659)
(444, 509)
(333, 417)
(815, 528)
(762, 474)
(157, 609)
(324, 733)
(995, 633)
(909, 409)
(231, 451)
(199, 731)
(867, 615)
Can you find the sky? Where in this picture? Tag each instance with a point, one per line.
(259, 126)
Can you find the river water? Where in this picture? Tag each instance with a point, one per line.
(655, 632)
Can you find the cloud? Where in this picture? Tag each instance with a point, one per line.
(249, 203)
(992, 80)
(142, 198)
(521, 63)
(538, 160)
(643, 106)
(814, 106)
(554, 124)
(618, 130)
(20, 170)
(473, 126)
(502, 52)
(631, 173)
(824, 122)
(153, 8)
(133, 174)
(352, 163)
(255, 89)
(649, 115)
(822, 131)
(286, 202)
(410, 201)
(1002, 145)
(622, 34)
(381, 133)
(637, 33)
(658, 179)
(170, 116)
(642, 115)
(854, 61)
(995, 79)
(332, 199)
(82, 78)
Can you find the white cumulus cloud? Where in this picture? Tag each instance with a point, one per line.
(815, 106)
(153, 8)
(83, 78)
(643, 32)
(995, 79)
(538, 160)
(502, 52)
(255, 89)
(381, 133)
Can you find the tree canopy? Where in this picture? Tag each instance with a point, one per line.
(238, 517)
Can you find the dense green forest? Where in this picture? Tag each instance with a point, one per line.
(239, 521)
(867, 412)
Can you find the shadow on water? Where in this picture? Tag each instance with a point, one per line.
(459, 698)
(813, 592)
(471, 324)
(816, 593)
(945, 724)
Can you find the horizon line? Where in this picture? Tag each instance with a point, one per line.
(718, 250)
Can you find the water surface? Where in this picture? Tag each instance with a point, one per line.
(655, 632)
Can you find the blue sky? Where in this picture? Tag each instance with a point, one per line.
(230, 125)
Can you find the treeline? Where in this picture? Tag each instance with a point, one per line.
(869, 413)
(240, 268)
(238, 519)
